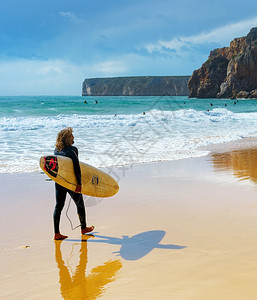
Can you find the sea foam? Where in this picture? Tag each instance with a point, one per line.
(125, 139)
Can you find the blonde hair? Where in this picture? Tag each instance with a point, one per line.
(64, 139)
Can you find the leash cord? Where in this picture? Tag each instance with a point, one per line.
(69, 205)
(69, 217)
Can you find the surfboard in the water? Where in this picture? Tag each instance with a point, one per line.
(95, 182)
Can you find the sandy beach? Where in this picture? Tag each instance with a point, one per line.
(185, 229)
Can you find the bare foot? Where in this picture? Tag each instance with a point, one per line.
(87, 229)
(58, 236)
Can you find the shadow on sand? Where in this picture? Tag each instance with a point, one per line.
(135, 247)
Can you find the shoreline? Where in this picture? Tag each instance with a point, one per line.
(243, 143)
(183, 229)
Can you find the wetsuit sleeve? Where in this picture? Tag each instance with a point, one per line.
(73, 155)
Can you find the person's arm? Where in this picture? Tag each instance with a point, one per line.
(74, 156)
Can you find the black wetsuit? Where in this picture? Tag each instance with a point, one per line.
(61, 192)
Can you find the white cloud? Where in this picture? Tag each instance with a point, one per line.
(71, 17)
(109, 68)
(221, 35)
(49, 70)
(58, 77)
(52, 77)
(36, 77)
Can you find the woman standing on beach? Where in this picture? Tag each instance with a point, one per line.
(64, 147)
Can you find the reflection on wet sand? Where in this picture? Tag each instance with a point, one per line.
(80, 286)
(243, 163)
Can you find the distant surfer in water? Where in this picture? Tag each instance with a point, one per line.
(64, 147)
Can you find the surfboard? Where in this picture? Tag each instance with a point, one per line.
(95, 182)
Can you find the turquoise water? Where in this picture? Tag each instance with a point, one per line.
(19, 106)
(119, 130)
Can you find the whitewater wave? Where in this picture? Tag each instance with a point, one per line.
(152, 117)
(107, 140)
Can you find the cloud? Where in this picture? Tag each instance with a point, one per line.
(109, 68)
(53, 76)
(132, 64)
(71, 17)
(40, 77)
(221, 36)
(60, 77)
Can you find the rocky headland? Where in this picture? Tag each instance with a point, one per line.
(136, 86)
(229, 72)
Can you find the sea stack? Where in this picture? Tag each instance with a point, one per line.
(229, 72)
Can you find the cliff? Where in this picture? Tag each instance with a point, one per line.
(229, 72)
(136, 86)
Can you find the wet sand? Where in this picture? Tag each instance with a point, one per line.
(179, 230)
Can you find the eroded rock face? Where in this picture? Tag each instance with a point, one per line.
(230, 72)
(205, 82)
(136, 86)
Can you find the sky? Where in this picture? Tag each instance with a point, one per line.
(49, 47)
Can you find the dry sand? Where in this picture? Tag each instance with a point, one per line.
(179, 230)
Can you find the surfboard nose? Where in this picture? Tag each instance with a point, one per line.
(116, 188)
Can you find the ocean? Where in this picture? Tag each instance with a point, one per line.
(119, 131)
